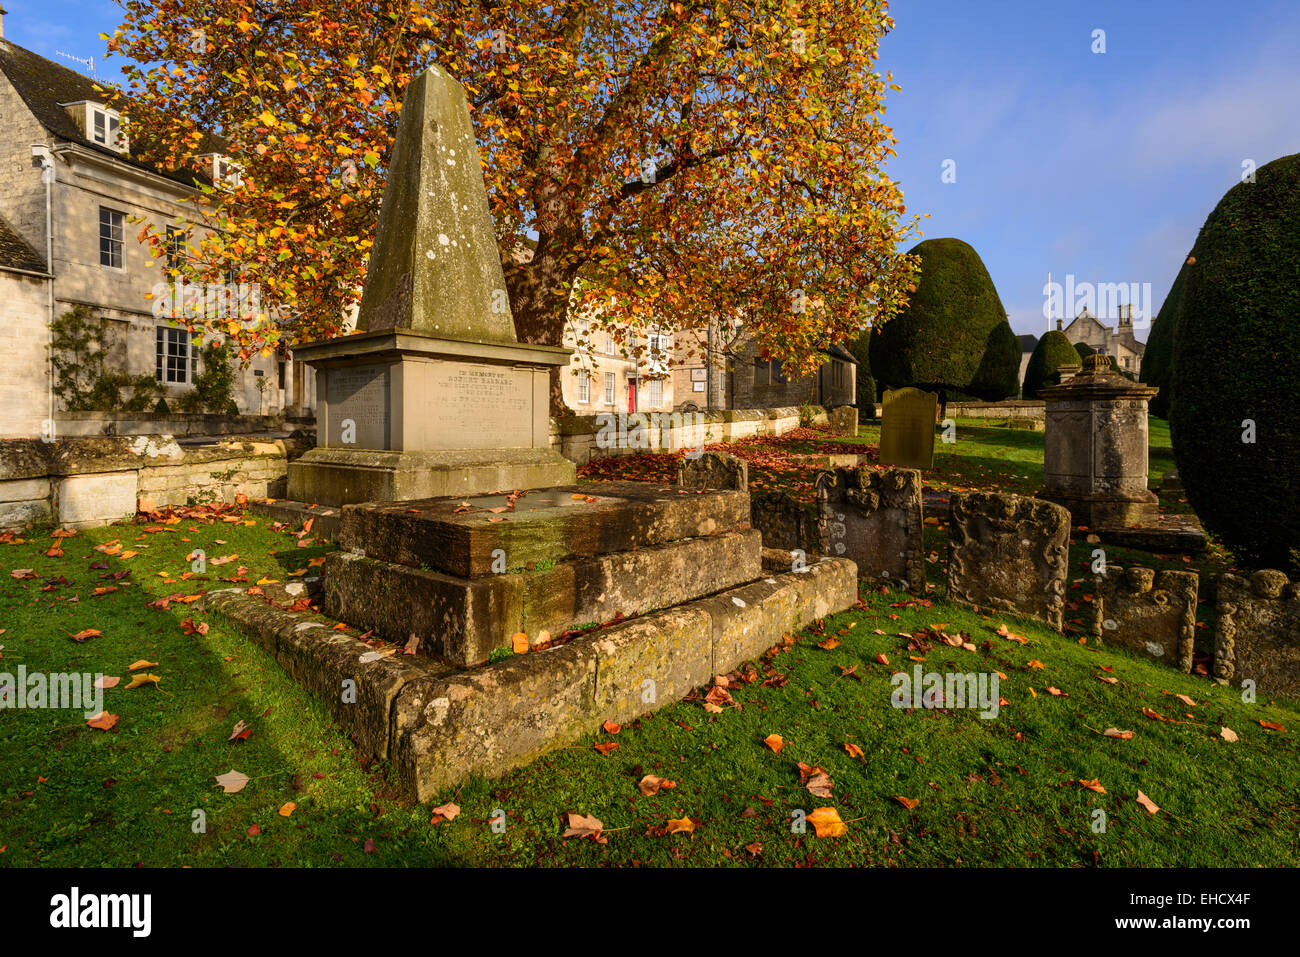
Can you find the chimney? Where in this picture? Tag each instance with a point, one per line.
(3, 11)
(1058, 325)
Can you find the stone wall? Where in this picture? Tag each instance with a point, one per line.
(83, 482)
(24, 373)
(581, 438)
(1257, 633)
(1007, 409)
(69, 424)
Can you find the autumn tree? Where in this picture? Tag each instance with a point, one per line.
(695, 160)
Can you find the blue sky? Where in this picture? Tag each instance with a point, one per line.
(1100, 165)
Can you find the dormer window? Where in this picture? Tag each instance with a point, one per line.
(99, 124)
(222, 170)
(104, 126)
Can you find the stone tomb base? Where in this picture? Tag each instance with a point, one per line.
(402, 415)
(466, 574)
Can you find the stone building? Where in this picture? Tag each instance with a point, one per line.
(757, 383)
(1119, 343)
(58, 126)
(619, 370)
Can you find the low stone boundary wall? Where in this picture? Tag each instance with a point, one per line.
(81, 482)
(581, 438)
(1008, 409)
(81, 424)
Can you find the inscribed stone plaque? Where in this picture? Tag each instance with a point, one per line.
(472, 406)
(358, 407)
(907, 431)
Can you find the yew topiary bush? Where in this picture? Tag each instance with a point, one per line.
(940, 340)
(1053, 351)
(1236, 361)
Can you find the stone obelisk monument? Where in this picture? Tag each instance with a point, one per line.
(433, 395)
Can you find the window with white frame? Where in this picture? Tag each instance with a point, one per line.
(110, 237)
(584, 386)
(104, 126)
(654, 393)
(175, 248)
(609, 388)
(174, 358)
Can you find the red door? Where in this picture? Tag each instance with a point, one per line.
(631, 395)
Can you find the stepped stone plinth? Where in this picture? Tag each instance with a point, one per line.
(466, 574)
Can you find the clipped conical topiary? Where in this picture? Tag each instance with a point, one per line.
(998, 376)
(939, 340)
(1084, 350)
(1157, 359)
(1236, 359)
(1053, 351)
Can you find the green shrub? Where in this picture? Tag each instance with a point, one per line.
(1084, 350)
(998, 376)
(78, 352)
(1235, 359)
(1157, 359)
(1052, 352)
(939, 341)
(213, 387)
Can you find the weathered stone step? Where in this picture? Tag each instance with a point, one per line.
(547, 525)
(463, 620)
(439, 725)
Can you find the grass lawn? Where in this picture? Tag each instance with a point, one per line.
(1003, 791)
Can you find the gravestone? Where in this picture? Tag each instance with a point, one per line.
(782, 521)
(874, 519)
(713, 470)
(433, 395)
(1008, 553)
(844, 420)
(1257, 632)
(907, 428)
(1095, 448)
(1153, 612)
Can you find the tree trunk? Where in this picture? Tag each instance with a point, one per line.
(539, 299)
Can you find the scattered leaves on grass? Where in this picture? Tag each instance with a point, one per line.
(826, 822)
(190, 627)
(682, 825)
(446, 812)
(652, 784)
(232, 782)
(585, 825)
(816, 780)
(103, 721)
